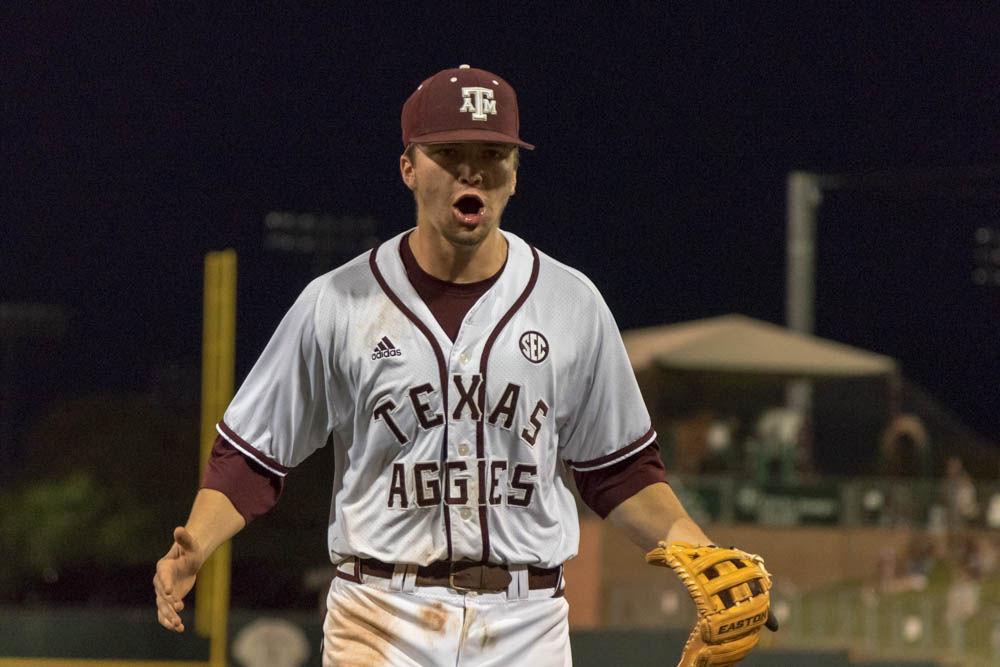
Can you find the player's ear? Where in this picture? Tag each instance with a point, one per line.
(406, 170)
(513, 181)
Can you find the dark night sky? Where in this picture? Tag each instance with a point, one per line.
(134, 140)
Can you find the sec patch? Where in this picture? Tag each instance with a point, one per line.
(534, 347)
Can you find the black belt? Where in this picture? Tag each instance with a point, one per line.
(460, 575)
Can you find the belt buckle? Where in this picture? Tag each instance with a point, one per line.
(451, 577)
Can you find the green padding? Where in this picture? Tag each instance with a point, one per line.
(123, 634)
(133, 634)
(626, 647)
(658, 648)
(776, 658)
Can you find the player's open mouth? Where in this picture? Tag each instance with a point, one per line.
(469, 209)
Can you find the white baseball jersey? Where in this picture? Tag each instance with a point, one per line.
(445, 450)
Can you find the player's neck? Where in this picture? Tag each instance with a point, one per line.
(456, 263)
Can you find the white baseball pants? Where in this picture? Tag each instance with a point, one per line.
(369, 624)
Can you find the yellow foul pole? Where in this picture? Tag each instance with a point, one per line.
(217, 370)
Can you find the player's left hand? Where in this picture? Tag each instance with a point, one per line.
(731, 590)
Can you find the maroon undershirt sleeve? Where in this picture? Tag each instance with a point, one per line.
(606, 488)
(251, 489)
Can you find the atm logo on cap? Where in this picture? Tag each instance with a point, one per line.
(479, 102)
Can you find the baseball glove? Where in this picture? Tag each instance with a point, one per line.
(730, 589)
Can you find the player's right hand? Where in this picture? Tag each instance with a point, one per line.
(175, 575)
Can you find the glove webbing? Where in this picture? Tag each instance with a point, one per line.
(713, 575)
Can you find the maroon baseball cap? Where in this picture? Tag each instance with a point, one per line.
(460, 105)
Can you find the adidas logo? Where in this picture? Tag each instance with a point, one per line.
(385, 348)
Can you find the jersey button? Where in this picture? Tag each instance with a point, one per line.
(463, 449)
(465, 513)
(464, 359)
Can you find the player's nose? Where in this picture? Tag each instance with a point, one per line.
(470, 174)
(475, 179)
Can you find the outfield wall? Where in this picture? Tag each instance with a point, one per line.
(51, 638)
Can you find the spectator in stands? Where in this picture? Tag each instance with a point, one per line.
(920, 556)
(959, 496)
(962, 598)
(774, 452)
(988, 558)
(690, 439)
(906, 447)
(909, 573)
(720, 449)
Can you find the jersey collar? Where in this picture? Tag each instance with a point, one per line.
(491, 307)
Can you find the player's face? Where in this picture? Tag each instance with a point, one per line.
(461, 189)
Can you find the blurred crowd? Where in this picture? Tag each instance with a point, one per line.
(952, 555)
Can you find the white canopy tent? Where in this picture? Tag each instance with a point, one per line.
(734, 362)
(740, 344)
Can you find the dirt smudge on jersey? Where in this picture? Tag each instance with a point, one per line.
(434, 617)
(383, 323)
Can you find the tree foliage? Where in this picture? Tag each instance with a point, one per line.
(104, 481)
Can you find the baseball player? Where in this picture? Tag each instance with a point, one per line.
(461, 376)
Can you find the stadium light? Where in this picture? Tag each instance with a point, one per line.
(329, 239)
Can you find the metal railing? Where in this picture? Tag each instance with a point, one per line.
(871, 501)
(870, 625)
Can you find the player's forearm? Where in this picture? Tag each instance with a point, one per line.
(655, 514)
(213, 520)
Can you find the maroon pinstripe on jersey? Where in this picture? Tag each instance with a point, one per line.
(442, 369)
